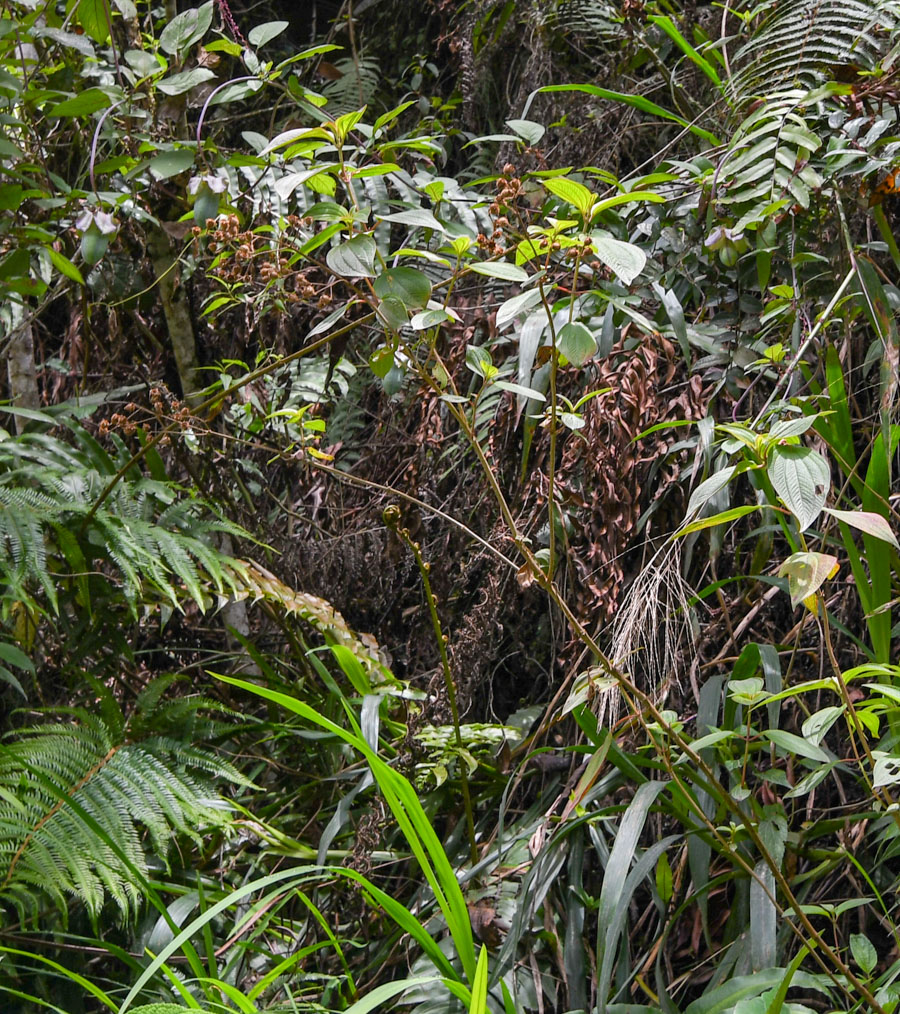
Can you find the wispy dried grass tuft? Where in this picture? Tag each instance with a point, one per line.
(652, 632)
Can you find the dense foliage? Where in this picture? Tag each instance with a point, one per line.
(447, 507)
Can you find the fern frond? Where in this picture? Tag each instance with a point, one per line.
(799, 39)
(157, 540)
(356, 87)
(77, 799)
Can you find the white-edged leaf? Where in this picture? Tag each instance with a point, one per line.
(184, 81)
(353, 258)
(868, 522)
(763, 919)
(818, 723)
(886, 770)
(259, 35)
(528, 130)
(511, 308)
(186, 28)
(530, 336)
(428, 318)
(415, 217)
(801, 478)
(500, 269)
(625, 260)
(792, 427)
(528, 393)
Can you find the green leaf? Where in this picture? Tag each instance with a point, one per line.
(261, 34)
(625, 260)
(83, 104)
(185, 29)
(636, 102)
(381, 361)
(94, 16)
(748, 692)
(801, 478)
(796, 745)
(868, 522)
(415, 217)
(411, 286)
(708, 489)
(478, 1003)
(184, 81)
(806, 572)
(479, 361)
(668, 26)
(864, 954)
(171, 163)
(15, 656)
(576, 194)
(717, 519)
(500, 269)
(726, 996)
(354, 258)
(64, 266)
(392, 312)
(380, 995)
(618, 885)
(576, 343)
(664, 879)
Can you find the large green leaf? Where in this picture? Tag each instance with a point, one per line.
(82, 104)
(576, 343)
(408, 285)
(354, 258)
(185, 29)
(94, 16)
(801, 478)
(625, 260)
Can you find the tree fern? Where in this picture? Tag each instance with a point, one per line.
(81, 796)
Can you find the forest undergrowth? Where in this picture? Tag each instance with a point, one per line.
(448, 507)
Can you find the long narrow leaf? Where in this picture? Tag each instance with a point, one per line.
(411, 818)
(615, 877)
(636, 102)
